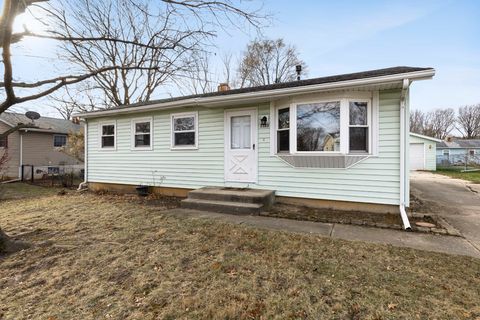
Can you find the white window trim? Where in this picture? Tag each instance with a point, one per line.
(172, 133)
(133, 123)
(59, 135)
(100, 134)
(368, 125)
(372, 98)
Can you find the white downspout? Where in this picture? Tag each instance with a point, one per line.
(403, 117)
(85, 157)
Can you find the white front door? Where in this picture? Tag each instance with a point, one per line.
(241, 146)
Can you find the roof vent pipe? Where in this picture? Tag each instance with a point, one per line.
(298, 68)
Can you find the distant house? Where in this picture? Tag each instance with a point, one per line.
(38, 146)
(267, 137)
(454, 151)
(423, 152)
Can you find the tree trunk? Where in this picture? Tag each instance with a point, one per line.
(7, 245)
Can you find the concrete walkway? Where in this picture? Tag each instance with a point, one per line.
(422, 241)
(456, 200)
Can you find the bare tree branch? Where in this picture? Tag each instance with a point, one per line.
(16, 128)
(269, 61)
(468, 121)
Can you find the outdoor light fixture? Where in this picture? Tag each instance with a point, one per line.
(264, 122)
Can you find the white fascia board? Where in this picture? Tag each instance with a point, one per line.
(421, 136)
(266, 94)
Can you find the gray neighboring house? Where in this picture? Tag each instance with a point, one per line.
(37, 146)
(455, 151)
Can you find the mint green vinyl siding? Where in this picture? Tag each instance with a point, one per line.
(375, 180)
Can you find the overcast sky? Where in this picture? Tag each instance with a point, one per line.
(335, 37)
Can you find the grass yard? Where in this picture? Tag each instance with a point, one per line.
(19, 190)
(456, 173)
(107, 257)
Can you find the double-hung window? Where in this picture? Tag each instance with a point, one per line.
(184, 131)
(107, 138)
(142, 133)
(59, 140)
(359, 127)
(283, 130)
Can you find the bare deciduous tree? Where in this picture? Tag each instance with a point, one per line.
(202, 75)
(186, 23)
(199, 77)
(417, 121)
(167, 50)
(440, 123)
(468, 121)
(269, 61)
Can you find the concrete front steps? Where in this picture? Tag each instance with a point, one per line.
(229, 200)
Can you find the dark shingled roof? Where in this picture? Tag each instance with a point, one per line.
(53, 125)
(292, 84)
(460, 144)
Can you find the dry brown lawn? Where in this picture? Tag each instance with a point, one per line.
(106, 257)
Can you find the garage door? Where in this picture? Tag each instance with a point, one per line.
(417, 156)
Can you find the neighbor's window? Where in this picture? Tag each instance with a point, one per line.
(142, 133)
(184, 130)
(108, 135)
(59, 140)
(472, 152)
(358, 126)
(446, 152)
(4, 142)
(318, 126)
(283, 130)
(53, 170)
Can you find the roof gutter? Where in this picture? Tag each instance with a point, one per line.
(403, 139)
(267, 94)
(7, 123)
(421, 136)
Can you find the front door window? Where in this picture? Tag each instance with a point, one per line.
(240, 132)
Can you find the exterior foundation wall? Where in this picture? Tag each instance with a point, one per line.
(314, 203)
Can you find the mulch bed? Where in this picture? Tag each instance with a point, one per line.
(380, 220)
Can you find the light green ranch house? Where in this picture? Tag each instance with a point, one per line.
(338, 141)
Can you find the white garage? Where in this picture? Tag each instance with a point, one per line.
(423, 152)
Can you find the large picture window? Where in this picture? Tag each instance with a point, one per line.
(318, 126)
(358, 126)
(184, 131)
(142, 133)
(107, 132)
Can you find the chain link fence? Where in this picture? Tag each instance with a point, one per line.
(466, 160)
(62, 176)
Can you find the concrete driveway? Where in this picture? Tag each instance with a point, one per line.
(457, 201)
